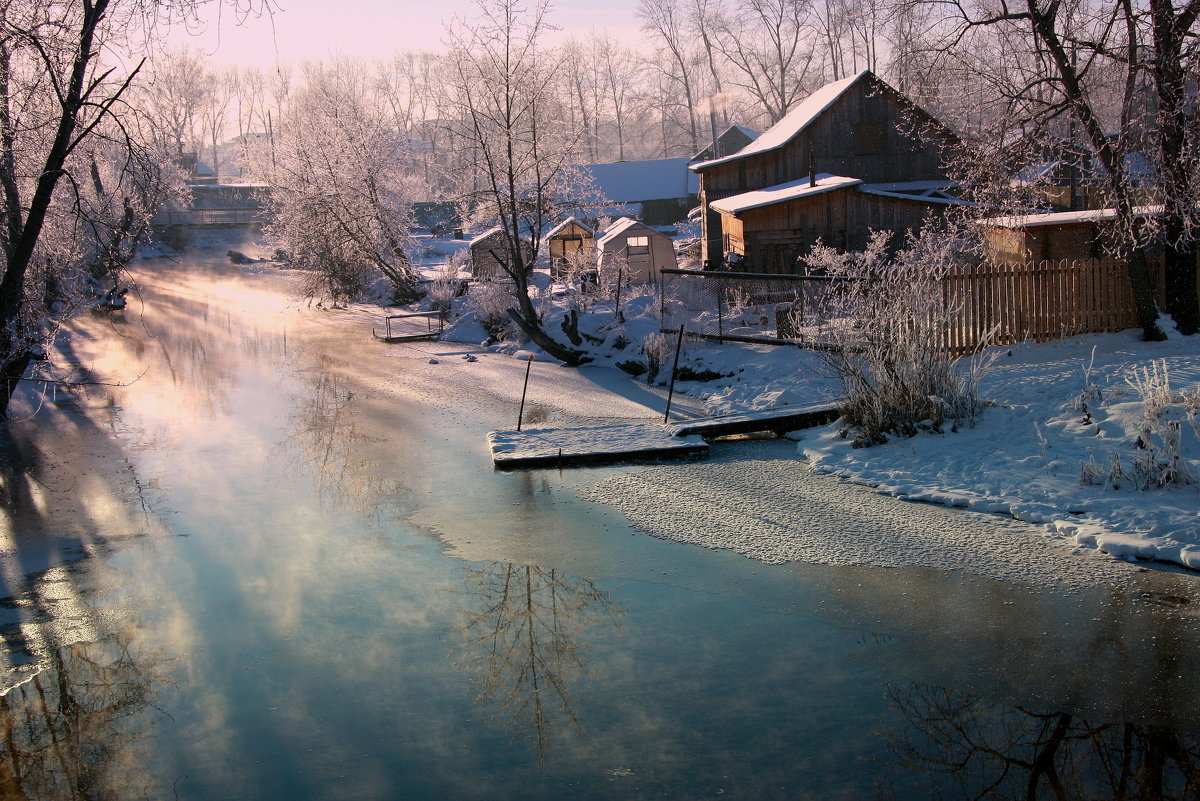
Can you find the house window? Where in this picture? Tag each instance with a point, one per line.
(869, 138)
(637, 245)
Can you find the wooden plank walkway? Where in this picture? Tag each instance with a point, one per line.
(590, 445)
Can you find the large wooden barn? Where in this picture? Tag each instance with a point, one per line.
(854, 156)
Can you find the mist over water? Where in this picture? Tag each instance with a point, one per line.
(270, 559)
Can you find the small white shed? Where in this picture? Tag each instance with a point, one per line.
(640, 250)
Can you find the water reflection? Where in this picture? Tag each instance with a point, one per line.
(998, 751)
(77, 728)
(524, 640)
(327, 440)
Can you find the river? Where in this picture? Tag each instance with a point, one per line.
(260, 555)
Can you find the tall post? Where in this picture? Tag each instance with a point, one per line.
(674, 369)
(521, 411)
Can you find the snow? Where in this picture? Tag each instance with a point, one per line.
(781, 193)
(793, 123)
(1039, 458)
(636, 181)
(589, 444)
(1064, 217)
(1035, 460)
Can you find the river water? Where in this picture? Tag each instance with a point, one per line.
(264, 556)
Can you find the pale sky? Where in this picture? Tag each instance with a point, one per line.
(319, 29)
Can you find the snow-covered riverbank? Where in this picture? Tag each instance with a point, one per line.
(1057, 448)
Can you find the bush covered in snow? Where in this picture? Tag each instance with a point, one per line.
(886, 350)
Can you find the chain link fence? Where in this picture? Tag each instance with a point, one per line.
(751, 307)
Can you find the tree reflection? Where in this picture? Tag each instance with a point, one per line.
(73, 730)
(327, 440)
(973, 749)
(523, 639)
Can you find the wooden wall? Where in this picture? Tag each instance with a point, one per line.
(773, 237)
(836, 140)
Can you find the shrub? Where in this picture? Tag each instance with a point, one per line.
(885, 340)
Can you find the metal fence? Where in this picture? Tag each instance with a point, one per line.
(750, 307)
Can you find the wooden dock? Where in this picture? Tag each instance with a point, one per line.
(592, 445)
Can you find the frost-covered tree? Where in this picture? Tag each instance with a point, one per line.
(71, 158)
(342, 183)
(1112, 82)
(513, 144)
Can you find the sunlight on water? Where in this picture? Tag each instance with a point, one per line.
(296, 575)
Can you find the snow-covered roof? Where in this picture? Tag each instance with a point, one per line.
(922, 191)
(1064, 217)
(793, 123)
(621, 226)
(781, 193)
(656, 179)
(567, 222)
(483, 236)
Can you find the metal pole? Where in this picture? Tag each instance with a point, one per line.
(674, 369)
(521, 411)
(617, 311)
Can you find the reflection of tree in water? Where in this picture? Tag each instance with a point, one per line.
(523, 640)
(326, 438)
(73, 730)
(978, 750)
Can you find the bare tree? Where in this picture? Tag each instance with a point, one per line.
(57, 94)
(509, 130)
(342, 185)
(1111, 79)
(676, 62)
(769, 44)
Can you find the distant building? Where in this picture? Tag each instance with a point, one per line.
(733, 139)
(658, 191)
(571, 242)
(489, 254)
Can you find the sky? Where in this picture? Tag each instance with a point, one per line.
(374, 29)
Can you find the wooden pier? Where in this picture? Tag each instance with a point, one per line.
(629, 442)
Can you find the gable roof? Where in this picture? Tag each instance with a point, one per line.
(485, 235)
(794, 122)
(568, 222)
(634, 181)
(781, 193)
(621, 226)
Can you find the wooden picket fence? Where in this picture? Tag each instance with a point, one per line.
(1037, 301)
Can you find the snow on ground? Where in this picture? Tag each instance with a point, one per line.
(1041, 457)
(1057, 449)
(1037, 455)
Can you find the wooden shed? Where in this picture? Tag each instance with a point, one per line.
(570, 243)
(859, 128)
(637, 248)
(487, 251)
(1025, 238)
(767, 230)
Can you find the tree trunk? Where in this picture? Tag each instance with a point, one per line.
(10, 375)
(571, 356)
(1182, 301)
(1143, 296)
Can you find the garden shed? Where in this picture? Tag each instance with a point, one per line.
(570, 242)
(489, 248)
(640, 251)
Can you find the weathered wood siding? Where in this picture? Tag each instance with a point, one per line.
(836, 139)
(774, 237)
